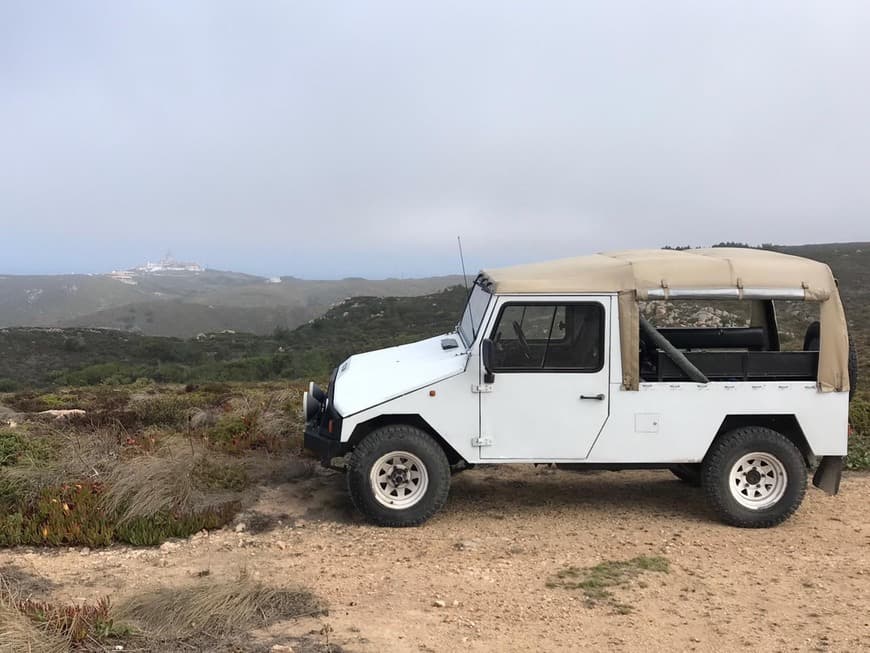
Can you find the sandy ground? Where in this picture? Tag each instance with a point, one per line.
(804, 586)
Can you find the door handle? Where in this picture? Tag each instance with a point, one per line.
(599, 397)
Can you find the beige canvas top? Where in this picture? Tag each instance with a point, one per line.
(638, 274)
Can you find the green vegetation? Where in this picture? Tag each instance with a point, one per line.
(208, 611)
(597, 582)
(27, 624)
(184, 304)
(17, 446)
(143, 464)
(211, 609)
(42, 358)
(859, 436)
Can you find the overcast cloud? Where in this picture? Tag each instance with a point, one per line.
(326, 139)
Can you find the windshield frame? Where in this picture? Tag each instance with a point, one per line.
(471, 310)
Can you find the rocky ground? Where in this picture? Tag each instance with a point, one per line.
(478, 577)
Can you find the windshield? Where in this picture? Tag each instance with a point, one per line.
(469, 325)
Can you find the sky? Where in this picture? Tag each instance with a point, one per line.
(360, 138)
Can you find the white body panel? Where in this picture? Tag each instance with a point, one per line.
(541, 415)
(377, 376)
(539, 418)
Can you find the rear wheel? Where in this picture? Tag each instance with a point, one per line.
(398, 476)
(754, 477)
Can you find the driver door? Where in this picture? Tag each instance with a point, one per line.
(549, 396)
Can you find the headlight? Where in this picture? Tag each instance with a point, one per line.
(310, 406)
(315, 391)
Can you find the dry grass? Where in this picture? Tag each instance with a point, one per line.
(150, 484)
(215, 608)
(20, 633)
(81, 454)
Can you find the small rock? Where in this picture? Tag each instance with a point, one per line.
(281, 648)
(85, 551)
(466, 545)
(281, 544)
(168, 546)
(240, 527)
(439, 604)
(62, 414)
(455, 603)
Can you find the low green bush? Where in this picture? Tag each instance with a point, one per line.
(74, 515)
(64, 515)
(8, 385)
(18, 446)
(214, 475)
(859, 438)
(165, 410)
(34, 402)
(148, 531)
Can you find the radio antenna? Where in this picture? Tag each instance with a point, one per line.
(462, 261)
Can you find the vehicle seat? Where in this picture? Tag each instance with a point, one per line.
(812, 337)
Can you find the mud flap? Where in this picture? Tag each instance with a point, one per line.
(828, 474)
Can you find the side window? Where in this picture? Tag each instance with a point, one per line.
(567, 337)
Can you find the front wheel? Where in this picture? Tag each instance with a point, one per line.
(754, 477)
(398, 476)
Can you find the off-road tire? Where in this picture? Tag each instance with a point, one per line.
(398, 438)
(689, 473)
(723, 456)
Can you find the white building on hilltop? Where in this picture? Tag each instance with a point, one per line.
(169, 264)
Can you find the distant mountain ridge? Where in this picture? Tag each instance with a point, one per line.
(171, 298)
(183, 299)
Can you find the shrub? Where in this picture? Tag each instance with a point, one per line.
(17, 446)
(33, 402)
(215, 608)
(76, 515)
(8, 385)
(164, 410)
(76, 623)
(18, 633)
(27, 624)
(69, 514)
(154, 529)
(214, 475)
(859, 440)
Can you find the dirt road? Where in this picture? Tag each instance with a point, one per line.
(488, 556)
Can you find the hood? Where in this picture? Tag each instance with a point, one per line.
(365, 380)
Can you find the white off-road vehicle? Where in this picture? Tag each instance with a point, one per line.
(555, 363)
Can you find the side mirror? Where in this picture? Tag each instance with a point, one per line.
(487, 353)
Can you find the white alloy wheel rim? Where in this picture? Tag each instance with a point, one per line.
(399, 480)
(758, 480)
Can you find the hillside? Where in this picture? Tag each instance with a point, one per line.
(84, 356)
(183, 304)
(850, 263)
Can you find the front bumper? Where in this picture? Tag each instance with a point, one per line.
(322, 444)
